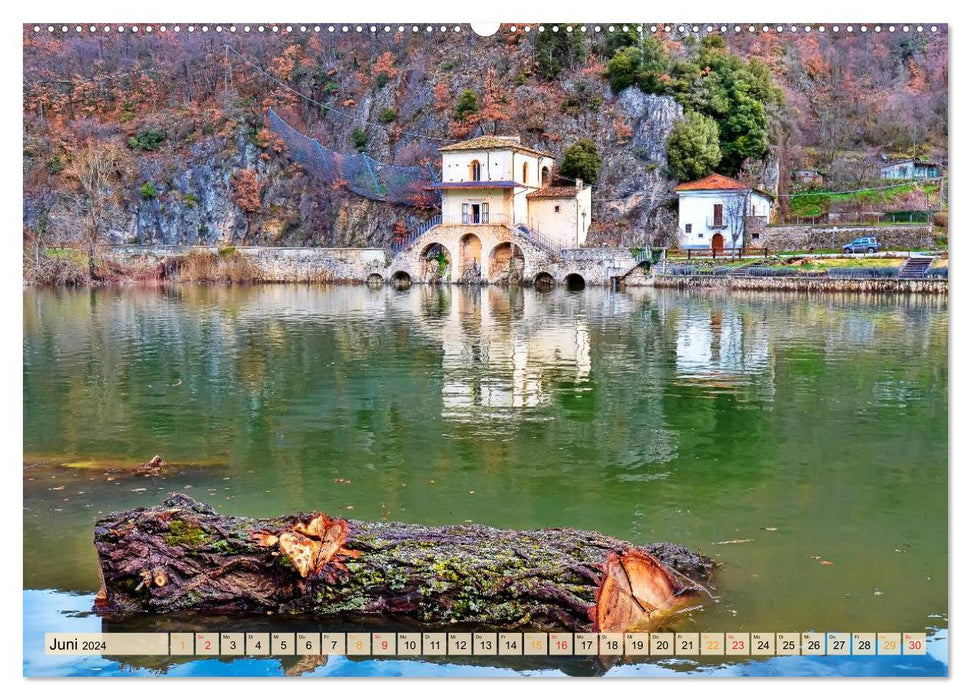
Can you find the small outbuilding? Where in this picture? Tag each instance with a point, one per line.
(910, 169)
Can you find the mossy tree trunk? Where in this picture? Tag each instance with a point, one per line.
(182, 555)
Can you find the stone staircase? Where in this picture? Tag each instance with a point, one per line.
(915, 268)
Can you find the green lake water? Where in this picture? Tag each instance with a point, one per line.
(799, 440)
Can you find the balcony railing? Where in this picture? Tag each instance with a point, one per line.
(485, 219)
(502, 219)
(717, 222)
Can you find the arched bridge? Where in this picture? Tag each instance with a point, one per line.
(495, 253)
(492, 253)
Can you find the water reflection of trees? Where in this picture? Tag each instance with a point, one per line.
(531, 396)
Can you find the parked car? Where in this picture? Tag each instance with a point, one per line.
(862, 245)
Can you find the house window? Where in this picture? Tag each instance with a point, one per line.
(475, 171)
(687, 228)
(545, 177)
(755, 236)
(717, 219)
(557, 208)
(525, 173)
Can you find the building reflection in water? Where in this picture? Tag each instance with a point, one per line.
(722, 345)
(502, 350)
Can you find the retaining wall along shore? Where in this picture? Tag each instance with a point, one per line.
(274, 264)
(777, 238)
(597, 266)
(803, 284)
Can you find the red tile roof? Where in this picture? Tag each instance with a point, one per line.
(484, 142)
(553, 193)
(712, 182)
(475, 184)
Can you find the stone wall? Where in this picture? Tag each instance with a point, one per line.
(596, 265)
(316, 264)
(777, 238)
(804, 284)
(275, 264)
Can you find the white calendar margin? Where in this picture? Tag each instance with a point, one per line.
(464, 12)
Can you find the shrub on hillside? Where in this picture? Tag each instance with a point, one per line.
(581, 161)
(692, 147)
(147, 140)
(468, 104)
(247, 191)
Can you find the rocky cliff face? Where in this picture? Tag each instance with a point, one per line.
(193, 195)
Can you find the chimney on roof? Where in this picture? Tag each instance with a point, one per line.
(579, 184)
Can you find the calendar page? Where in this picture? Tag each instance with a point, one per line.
(586, 349)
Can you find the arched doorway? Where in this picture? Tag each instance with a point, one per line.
(401, 280)
(544, 281)
(470, 258)
(718, 243)
(506, 263)
(544, 177)
(574, 282)
(375, 280)
(436, 264)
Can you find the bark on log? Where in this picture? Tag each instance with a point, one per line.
(182, 555)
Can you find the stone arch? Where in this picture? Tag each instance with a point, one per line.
(506, 263)
(574, 282)
(435, 263)
(401, 280)
(544, 281)
(470, 257)
(375, 280)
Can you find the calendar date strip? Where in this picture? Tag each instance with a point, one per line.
(431, 644)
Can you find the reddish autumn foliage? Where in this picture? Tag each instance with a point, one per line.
(247, 191)
(624, 132)
(496, 101)
(443, 96)
(384, 66)
(400, 230)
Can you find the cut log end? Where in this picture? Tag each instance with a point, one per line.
(182, 556)
(636, 593)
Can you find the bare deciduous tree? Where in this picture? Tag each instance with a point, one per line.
(96, 167)
(736, 209)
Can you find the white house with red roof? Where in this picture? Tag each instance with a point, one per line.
(720, 212)
(496, 180)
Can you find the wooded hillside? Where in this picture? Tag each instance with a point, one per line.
(177, 122)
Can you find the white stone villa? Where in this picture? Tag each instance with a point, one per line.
(497, 180)
(719, 212)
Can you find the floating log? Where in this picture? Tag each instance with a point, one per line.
(184, 556)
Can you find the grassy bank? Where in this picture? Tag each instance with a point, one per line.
(814, 204)
(227, 265)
